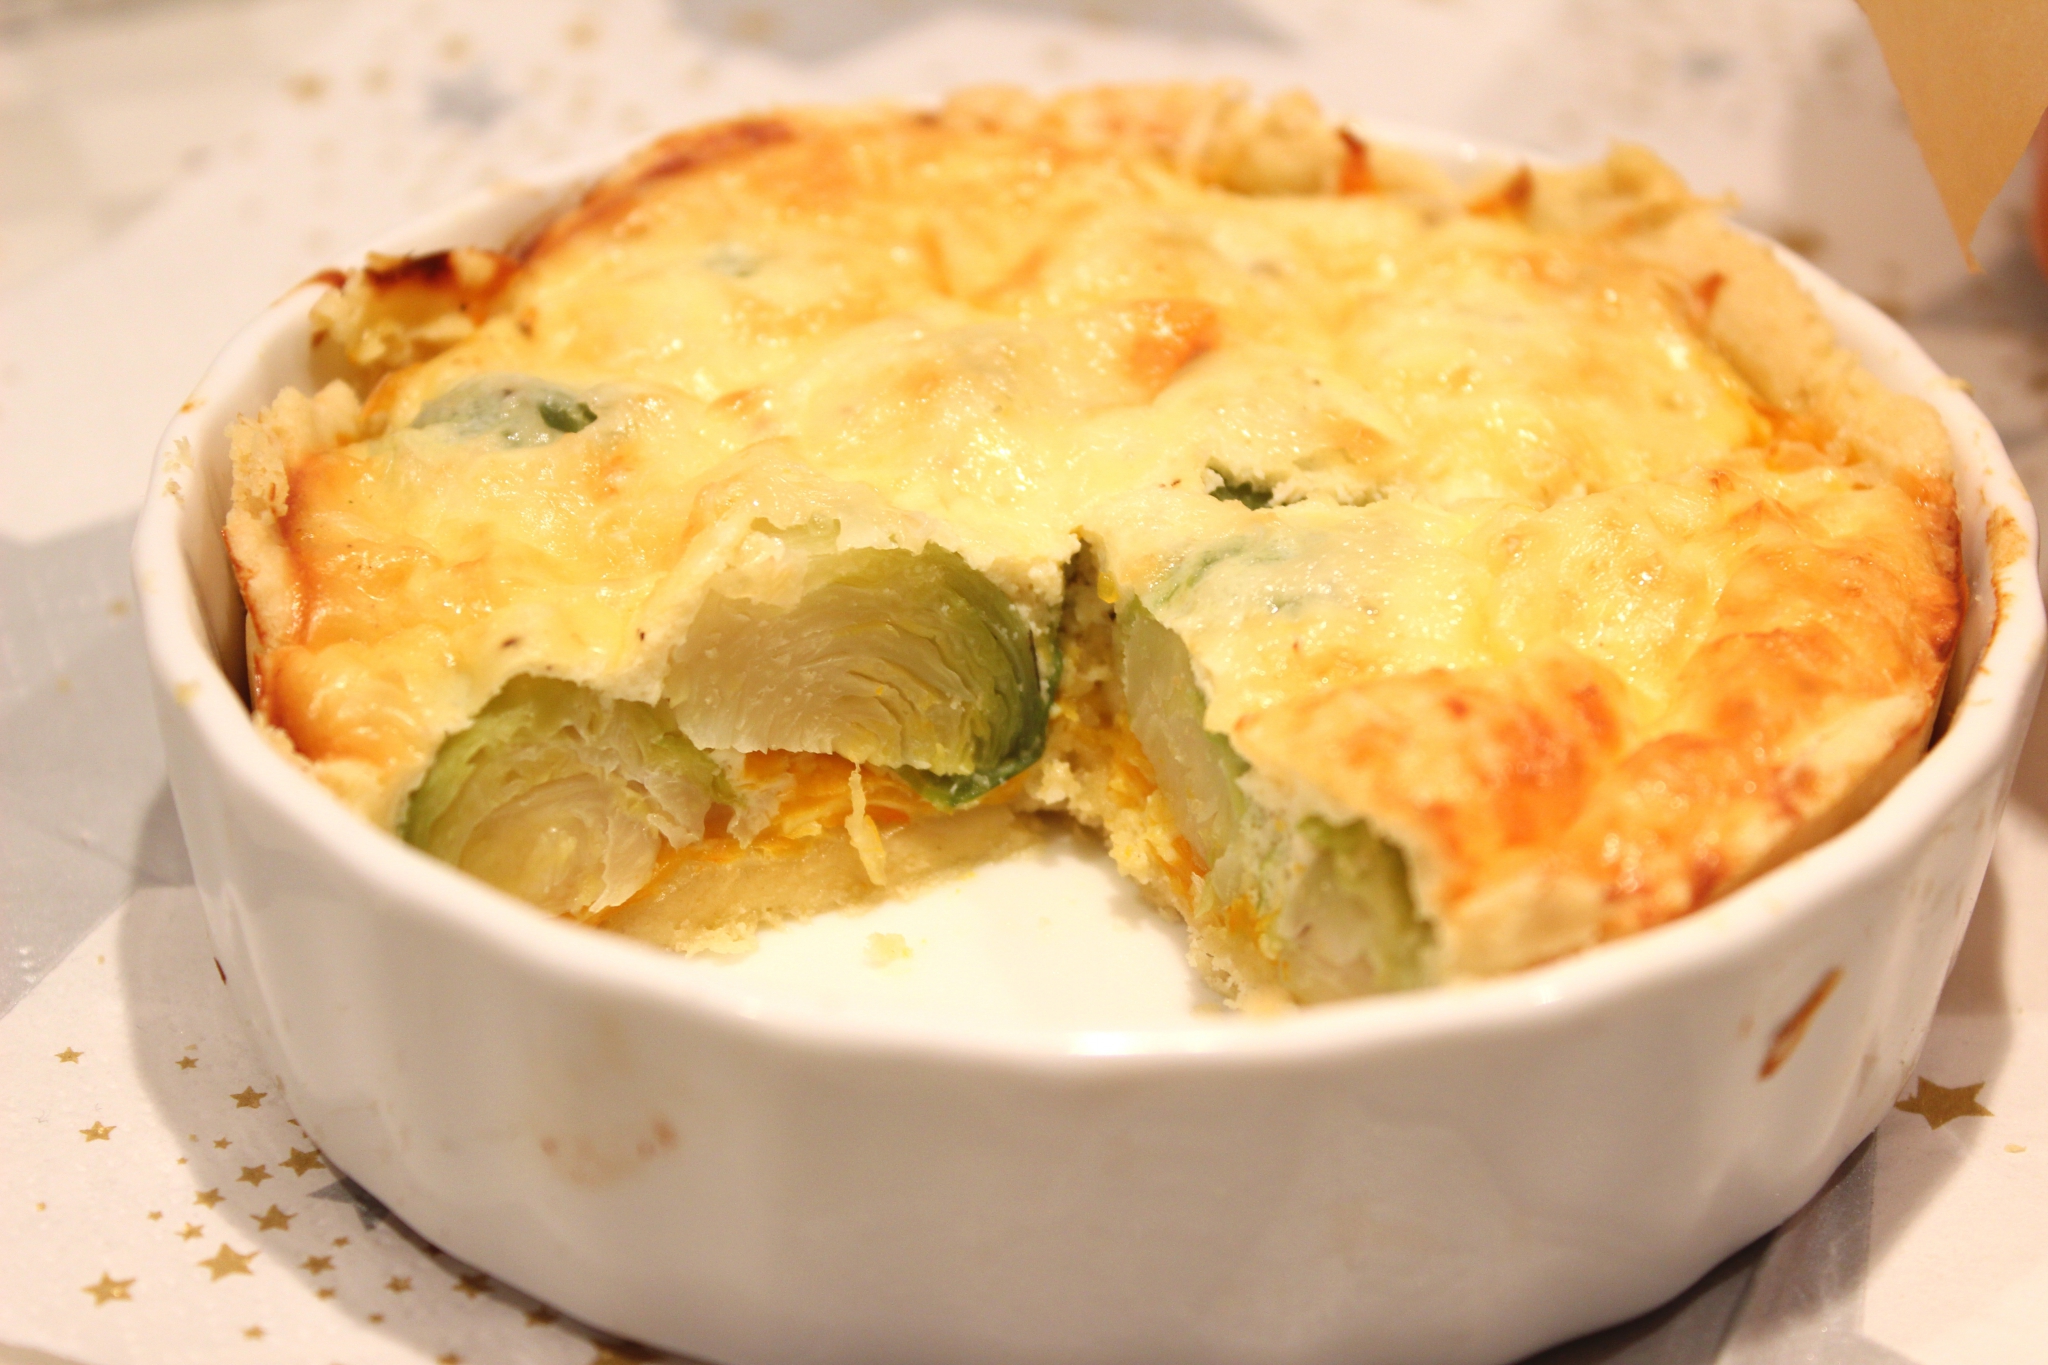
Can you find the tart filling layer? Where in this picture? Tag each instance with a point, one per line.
(1409, 580)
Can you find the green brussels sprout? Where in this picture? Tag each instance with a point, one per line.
(1250, 494)
(1197, 770)
(515, 409)
(906, 660)
(563, 797)
(1355, 901)
(1342, 903)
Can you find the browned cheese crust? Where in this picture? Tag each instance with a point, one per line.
(1546, 787)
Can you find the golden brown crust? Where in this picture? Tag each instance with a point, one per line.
(680, 153)
(399, 310)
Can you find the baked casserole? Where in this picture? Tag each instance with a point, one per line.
(1410, 580)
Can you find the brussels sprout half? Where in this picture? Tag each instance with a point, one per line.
(515, 409)
(1337, 896)
(563, 797)
(906, 660)
(1197, 770)
(1357, 873)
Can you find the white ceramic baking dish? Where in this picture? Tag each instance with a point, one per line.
(762, 1168)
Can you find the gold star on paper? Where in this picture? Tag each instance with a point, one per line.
(99, 1132)
(108, 1289)
(187, 1063)
(253, 1333)
(341, 1241)
(250, 1098)
(399, 1284)
(227, 1261)
(72, 1054)
(156, 1215)
(254, 1175)
(472, 1284)
(325, 1294)
(207, 1198)
(1940, 1103)
(191, 1230)
(318, 1265)
(221, 1144)
(302, 1162)
(274, 1219)
(540, 1316)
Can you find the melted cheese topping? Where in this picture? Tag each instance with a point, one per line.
(1487, 437)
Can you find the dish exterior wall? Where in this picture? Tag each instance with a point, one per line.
(1394, 1180)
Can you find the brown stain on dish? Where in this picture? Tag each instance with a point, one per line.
(2006, 541)
(1786, 1040)
(589, 1160)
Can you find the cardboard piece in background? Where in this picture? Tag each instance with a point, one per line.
(1973, 75)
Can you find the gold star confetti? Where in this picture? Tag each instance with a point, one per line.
(325, 1294)
(250, 1098)
(191, 1230)
(253, 1333)
(72, 1054)
(187, 1063)
(302, 1162)
(156, 1215)
(207, 1198)
(472, 1284)
(341, 1241)
(254, 1175)
(399, 1284)
(1940, 1103)
(108, 1289)
(221, 1144)
(227, 1261)
(181, 1161)
(99, 1132)
(274, 1219)
(318, 1265)
(540, 1316)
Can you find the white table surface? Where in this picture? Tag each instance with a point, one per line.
(167, 168)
